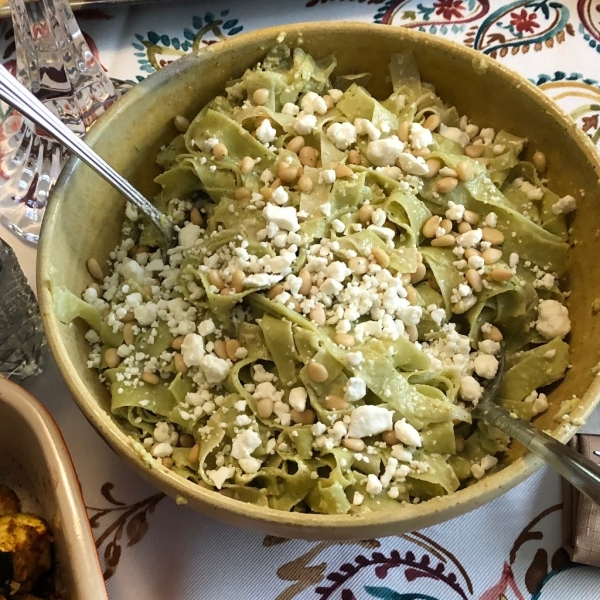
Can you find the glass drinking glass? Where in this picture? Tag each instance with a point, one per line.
(55, 62)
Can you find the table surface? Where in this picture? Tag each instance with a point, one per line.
(153, 549)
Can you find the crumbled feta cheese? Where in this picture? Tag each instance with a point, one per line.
(471, 238)
(206, 327)
(358, 499)
(355, 389)
(335, 95)
(407, 434)
(470, 390)
(162, 450)
(220, 475)
(414, 165)
(489, 347)
(385, 152)
(305, 124)
(342, 135)
(192, 349)
(455, 212)
(369, 420)
(374, 486)
(297, 399)
(215, 369)
(455, 134)
(327, 176)
(420, 137)
(399, 452)
(553, 319)
(564, 205)
(486, 366)
(354, 358)
(290, 109)
(188, 235)
(313, 103)
(245, 443)
(280, 196)
(366, 127)
(265, 132)
(285, 217)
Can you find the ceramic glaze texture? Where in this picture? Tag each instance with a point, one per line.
(84, 219)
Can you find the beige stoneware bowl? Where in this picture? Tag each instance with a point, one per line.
(85, 214)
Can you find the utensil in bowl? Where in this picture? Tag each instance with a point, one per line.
(19, 97)
(580, 471)
(131, 135)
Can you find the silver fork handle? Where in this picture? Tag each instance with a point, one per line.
(580, 471)
(20, 98)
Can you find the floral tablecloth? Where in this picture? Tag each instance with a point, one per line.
(153, 549)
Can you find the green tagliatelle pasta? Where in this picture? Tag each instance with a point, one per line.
(345, 271)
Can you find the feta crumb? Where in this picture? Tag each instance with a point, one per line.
(188, 235)
(470, 390)
(285, 217)
(265, 132)
(305, 124)
(290, 109)
(358, 499)
(342, 135)
(564, 205)
(313, 103)
(385, 152)
(355, 389)
(414, 165)
(486, 366)
(206, 327)
(297, 398)
(553, 319)
(366, 127)
(374, 486)
(455, 134)
(220, 476)
(407, 434)
(369, 420)
(215, 369)
(192, 349)
(245, 443)
(420, 137)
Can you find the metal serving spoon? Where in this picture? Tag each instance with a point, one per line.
(581, 472)
(20, 98)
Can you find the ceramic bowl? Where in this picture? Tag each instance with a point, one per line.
(85, 214)
(35, 463)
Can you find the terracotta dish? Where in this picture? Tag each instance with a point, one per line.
(35, 463)
(84, 219)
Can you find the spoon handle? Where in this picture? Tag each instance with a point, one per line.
(20, 98)
(581, 472)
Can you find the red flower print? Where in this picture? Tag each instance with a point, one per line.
(449, 9)
(524, 21)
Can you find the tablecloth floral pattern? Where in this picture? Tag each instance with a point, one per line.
(153, 549)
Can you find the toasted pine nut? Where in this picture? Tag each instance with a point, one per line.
(317, 314)
(296, 144)
(465, 171)
(215, 278)
(434, 167)
(266, 192)
(196, 217)
(305, 184)
(358, 265)
(411, 295)
(177, 342)
(364, 213)
(167, 462)
(470, 217)
(381, 257)
(328, 101)
(431, 226)
(237, 281)
(444, 241)
(342, 171)
(354, 444)
(539, 161)
(93, 266)
(474, 279)
(446, 225)
(264, 408)
(471, 252)
(128, 335)
(194, 454)
(493, 235)
(275, 291)
(421, 152)
(288, 174)
(308, 156)
(306, 282)
(180, 365)
(112, 359)
(231, 347)
(344, 339)
(491, 256)
(275, 184)
(413, 333)
(220, 349)
(317, 372)
(353, 157)
(403, 131)
(501, 274)
(462, 306)
(419, 274)
(247, 165)
(260, 96)
(493, 334)
(432, 122)
(151, 378)
(446, 184)
(306, 417)
(389, 437)
(463, 227)
(242, 192)
(220, 151)
(181, 123)
(474, 151)
(333, 402)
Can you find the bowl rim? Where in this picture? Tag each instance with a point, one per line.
(296, 524)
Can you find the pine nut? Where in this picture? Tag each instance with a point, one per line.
(354, 444)
(463, 227)
(237, 281)
(342, 171)
(111, 358)
(501, 274)
(328, 101)
(260, 96)
(266, 192)
(151, 378)
(411, 295)
(434, 167)
(333, 402)
(432, 122)
(194, 454)
(295, 305)
(471, 252)
(462, 306)
(128, 318)
(186, 440)
(306, 417)
(214, 278)
(413, 333)
(474, 279)
(474, 151)
(492, 235)
(405, 278)
(196, 217)
(220, 151)
(100, 292)
(344, 339)
(491, 256)
(264, 408)
(242, 193)
(181, 123)
(446, 225)
(276, 183)
(465, 171)
(444, 241)
(358, 265)
(128, 335)
(317, 372)
(308, 156)
(180, 365)
(296, 144)
(421, 152)
(94, 269)
(306, 282)
(353, 157)
(403, 131)
(177, 342)
(231, 347)
(247, 165)
(419, 274)
(317, 314)
(446, 184)
(364, 213)
(275, 291)
(220, 349)
(431, 226)
(305, 184)
(288, 175)
(167, 462)
(389, 437)
(470, 217)
(539, 162)
(494, 334)
(381, 257)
